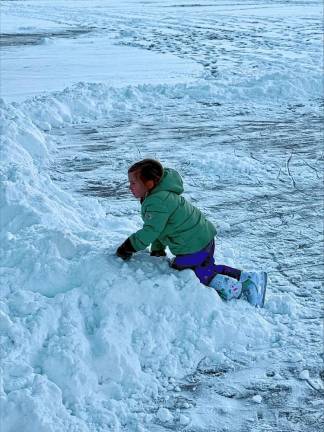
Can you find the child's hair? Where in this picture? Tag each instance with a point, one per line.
(149, 169)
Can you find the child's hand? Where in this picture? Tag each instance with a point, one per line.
(125, 251)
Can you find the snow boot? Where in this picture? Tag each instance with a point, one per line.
(227, 288)
(254, 285)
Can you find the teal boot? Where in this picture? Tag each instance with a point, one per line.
(254, 285)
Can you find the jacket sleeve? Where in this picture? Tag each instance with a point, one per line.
(156, 216)
(157, 246)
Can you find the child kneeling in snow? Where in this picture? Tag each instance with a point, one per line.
(170, 220)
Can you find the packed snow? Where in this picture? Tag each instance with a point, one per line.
(229, 94)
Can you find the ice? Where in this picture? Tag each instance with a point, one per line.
(107, 63)
(230, 96)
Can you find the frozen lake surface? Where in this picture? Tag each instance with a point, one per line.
(229, 94)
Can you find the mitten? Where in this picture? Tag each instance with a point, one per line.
(126, 250)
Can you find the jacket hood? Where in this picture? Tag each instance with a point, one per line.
(171, 182)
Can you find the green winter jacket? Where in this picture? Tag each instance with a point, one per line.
(170, 220)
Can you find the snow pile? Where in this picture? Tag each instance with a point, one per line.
(86, 339)
(274, 84)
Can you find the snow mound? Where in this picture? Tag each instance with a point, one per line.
(87, 339)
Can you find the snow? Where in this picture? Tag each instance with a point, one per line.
(257, 399)
(164, 415)
(184, 420)
(107, 63)
(304, 375)
(91, 343)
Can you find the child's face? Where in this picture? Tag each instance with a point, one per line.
(137, 187)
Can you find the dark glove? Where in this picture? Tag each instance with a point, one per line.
(126, 250)
(158, 253)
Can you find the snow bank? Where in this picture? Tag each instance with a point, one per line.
(86, 339)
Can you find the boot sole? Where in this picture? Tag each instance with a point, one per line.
(263, 289)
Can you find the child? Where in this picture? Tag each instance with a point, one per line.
(170, 220)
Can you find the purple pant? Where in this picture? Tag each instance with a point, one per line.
(203, 264)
